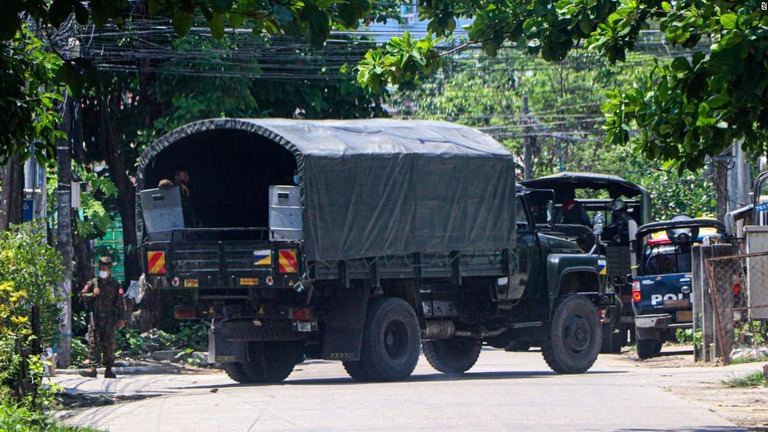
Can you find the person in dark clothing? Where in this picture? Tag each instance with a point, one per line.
(181, 179)
(106, 311)
(620, 222)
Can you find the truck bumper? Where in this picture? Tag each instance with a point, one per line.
(649, 326)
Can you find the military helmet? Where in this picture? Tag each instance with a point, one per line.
(105, 261)
(619, 205)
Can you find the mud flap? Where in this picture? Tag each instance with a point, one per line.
(221, 350)
(346, 319)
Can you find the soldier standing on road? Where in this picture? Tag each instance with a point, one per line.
(103, 295)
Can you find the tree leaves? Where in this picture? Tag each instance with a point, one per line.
(689, 109)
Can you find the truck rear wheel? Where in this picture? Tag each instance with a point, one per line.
(452, 356)
(611, 340)
(390, 348)
(575, 336)
(236, 372)
(273, 362)
(356, 370)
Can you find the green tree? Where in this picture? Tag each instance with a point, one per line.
(688, 109)
(564, 99)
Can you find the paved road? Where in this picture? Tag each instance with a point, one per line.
(504, 391)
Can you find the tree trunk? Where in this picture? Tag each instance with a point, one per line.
(12, 193)
(149, 315)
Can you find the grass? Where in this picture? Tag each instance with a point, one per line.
(20, 419)
(747, 360)
(754, 379)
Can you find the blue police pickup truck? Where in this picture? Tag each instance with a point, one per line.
(661, 291)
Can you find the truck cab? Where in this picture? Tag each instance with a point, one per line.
(662, 288)
(589, 223)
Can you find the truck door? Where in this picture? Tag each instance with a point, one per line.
(525, 245)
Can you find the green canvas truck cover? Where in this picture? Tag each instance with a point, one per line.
(376, 187)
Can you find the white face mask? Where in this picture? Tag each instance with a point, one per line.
(103, 274)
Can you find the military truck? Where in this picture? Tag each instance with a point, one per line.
(662, 288)
(361, 241)
(594, 195)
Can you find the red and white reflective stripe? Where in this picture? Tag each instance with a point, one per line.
(288, 262)
(156, 262)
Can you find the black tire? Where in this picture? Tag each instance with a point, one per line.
(272, 362)
(356, 370)
(518, 346)
(391, 340)
(575, 336)
(648, 348)
(236, 372)
(611, 343)
(452, 356)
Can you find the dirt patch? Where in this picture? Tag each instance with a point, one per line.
(747, 407)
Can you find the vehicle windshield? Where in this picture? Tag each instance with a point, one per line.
(667, 259)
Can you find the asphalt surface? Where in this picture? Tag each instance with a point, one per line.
(504, 391)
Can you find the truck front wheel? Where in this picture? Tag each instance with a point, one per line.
(575, 336)
(391, 337)
(452, 356)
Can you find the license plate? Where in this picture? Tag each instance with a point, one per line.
(681, 303)
(249, 281)
(304, 326)
(190, 283)
(684, 316)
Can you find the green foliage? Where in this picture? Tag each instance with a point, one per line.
(752, 333)
(29, 271)
(29, 98)
(190, 337)
(19, 418)
(754, 379)
(689, 336)
(687, 110)
(400, 62)
(564, 99)
(93, 219)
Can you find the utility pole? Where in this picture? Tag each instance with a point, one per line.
(528, 141)
(64, 232)
(11, 195)
(720, 182)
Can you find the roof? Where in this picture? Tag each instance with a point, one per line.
(649, 229)
(347, 138)
(570, 181)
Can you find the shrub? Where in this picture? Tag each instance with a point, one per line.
(29, 273)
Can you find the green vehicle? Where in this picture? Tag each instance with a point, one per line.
(362, 241)
(595, 195)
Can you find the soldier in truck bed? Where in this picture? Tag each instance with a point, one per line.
(181, 179)
(106, 311)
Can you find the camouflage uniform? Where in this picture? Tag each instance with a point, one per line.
(108, 308)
